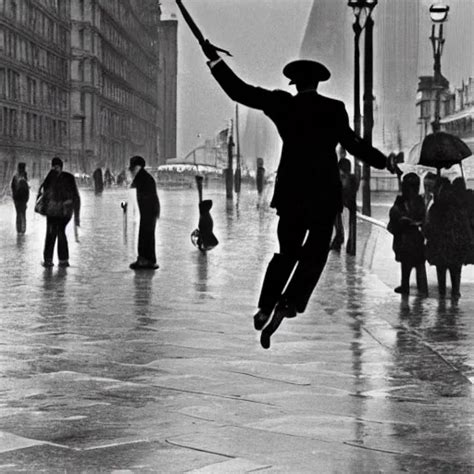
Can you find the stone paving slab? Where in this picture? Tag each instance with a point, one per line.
(104, 370)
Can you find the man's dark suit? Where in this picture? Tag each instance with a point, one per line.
(149, 207)
(308, 192)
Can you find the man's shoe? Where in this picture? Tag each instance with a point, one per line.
(260, 319)
(402, 290)
(283, 310)
(143, 265)
(47, 263)
(63, 263)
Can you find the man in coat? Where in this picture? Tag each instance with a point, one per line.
(308, 194)
(149, 207)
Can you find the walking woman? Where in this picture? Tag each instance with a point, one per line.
(62, 201)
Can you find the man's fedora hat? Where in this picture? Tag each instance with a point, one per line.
(304, 69)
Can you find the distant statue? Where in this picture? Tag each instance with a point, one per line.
(203, 237)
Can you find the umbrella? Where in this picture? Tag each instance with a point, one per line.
(443, 150)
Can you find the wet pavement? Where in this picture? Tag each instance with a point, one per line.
(104, 369)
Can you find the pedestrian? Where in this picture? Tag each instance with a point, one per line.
(349, 196)
(98, 179)
(62, 201)
(149, 207)
(466, 203)
(20, 194)
(448, 236)
(407, 216)
(260, 176)
(307, 194)
(108, 178)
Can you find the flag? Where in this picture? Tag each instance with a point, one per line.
(222, 138)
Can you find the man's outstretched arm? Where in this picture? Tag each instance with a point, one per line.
(238, 90)
(362, 150)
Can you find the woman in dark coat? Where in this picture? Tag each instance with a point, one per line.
(448, 236)
(62, 201)
(406, 218)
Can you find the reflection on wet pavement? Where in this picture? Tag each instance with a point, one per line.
(104, 368)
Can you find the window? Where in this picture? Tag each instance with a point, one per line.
(2, 84)
(13, 123)
(2, 37)
(11, 9)
(80, 70)
(34, 125)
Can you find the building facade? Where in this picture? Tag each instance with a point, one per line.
(92, 81)
(120, 103)
(34, 84)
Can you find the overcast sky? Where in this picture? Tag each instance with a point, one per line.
(262, 35)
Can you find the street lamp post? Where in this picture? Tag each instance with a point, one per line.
(229, 178)
(438, 14)
(363, 12)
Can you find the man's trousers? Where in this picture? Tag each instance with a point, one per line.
(303, 246)
(146, 238)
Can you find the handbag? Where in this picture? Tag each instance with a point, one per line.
(40, 204)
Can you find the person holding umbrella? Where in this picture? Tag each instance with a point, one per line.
(448, 237)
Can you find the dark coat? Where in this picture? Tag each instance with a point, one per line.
(469, 206)
(406, 220)
(310, 126)
(147, 196)
(448, 233)
(20, 189)
(62, 188)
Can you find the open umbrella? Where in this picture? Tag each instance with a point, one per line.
(443, 150)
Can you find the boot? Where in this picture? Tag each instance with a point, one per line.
(455, 273)
(278, 272)
(441, 274)
(421, 280)
(284, 309)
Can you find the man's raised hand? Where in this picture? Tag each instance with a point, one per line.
(210, 51)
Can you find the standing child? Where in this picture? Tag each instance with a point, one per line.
(406, 219)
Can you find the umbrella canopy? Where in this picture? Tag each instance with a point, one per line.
(443, 150)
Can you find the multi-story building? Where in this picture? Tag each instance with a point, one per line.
(92, 81)
(116, 65)
(34, 84)
(167, 89)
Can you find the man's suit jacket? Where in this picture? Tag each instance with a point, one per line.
(147, 196)
(310, 126)
(62, 187)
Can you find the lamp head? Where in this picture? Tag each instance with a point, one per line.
(357, 5)
(439, 13)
